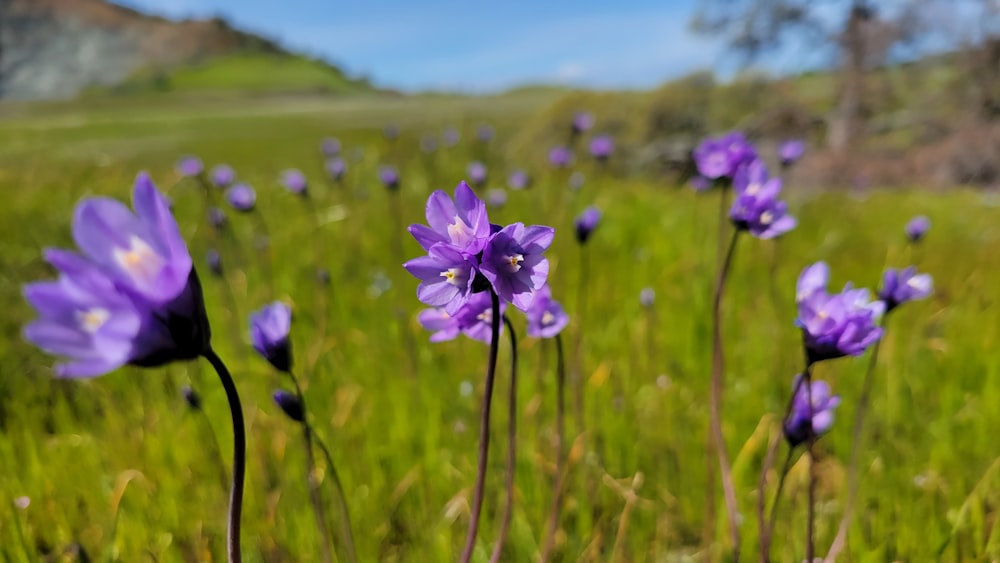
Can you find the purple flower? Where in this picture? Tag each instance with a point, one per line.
(917, 228)
(335, 168)
(514, 262)
(133, 297)
(428, 144)
(791, 151)
(474, 319)
(485, 133)
(190, 166)
(721, 157)
(900, 286)
(647, 297)
(586, 222)
(546, 317)
(601, 147)
(582, 122)
(477, 173)
(241, 197)
(496, 197)
(330, 147)
(389, 177)
(576, 180)
(810, 418)
(214, 261)
(222, 175)
(757, 208)
(290, 404)
(269, 328)
(560, 157)
(445, 276)
(451, 137)
(700, 183)
(837, 325)
(191, 397)
(217, 217)
(463, 223)
(518, 180)
(295, 181)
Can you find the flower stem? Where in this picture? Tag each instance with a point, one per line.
(581, 306)
(239, 456)
(345, 513)
(853, 468)
(557, 485)
(768, 532)
(508, 511)
(314, 492)
(484, 433)
(715, 407)
(263, 242)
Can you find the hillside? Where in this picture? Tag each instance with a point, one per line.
(55, 49)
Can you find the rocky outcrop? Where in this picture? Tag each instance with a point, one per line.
(51, 49)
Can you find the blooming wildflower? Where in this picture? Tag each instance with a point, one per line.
(451, 137)
(295, 181)
(241, 197)
(290, 404)
(835, 325)
(917, 228)
(601, 147)
(805, 420)
(791, 151)
(546, 317)
(721, 157)
(518, 180)
(560, 157)
(757, 208)
(900, 286)
(485, 133)
(477, 173)
(269, 329)
(474, 319)
(335, 168)
(582, 122)
(462, 222)
(514, 262)
(445, 275)
(222, 175)
(496, 197)
(330, 147)
(586, 222)
(190, 166)
(389, 177)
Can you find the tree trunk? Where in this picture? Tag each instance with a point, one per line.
(845, 123)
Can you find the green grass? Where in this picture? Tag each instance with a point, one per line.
(404, 438)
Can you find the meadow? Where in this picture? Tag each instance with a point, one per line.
(121, 467)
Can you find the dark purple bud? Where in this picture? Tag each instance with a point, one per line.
(217, 217)
(335, 168)
(192, 398)
(791, 151)
(269, 335)
(810, 418)
(586, 222)
(290, 405)
(214, 260)
(389, 177)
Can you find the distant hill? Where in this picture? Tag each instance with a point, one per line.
(55, 49)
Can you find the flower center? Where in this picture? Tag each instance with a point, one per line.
(766, 218)
(92, 319)
(514, 262)
(455, 276)
(486, 316)
(752, 189)
(459, 232)
(548, 318)
(139, 260)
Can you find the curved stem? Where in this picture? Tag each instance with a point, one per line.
(553, 524)
(345, 513)
(508, 511)
(314, 492)
(811, 530)
(853, 468)
(718, 370)
(239, 456)
(484, 433)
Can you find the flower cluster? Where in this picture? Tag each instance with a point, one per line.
(131, 297)
(757, 208)
(474, 319)
(835, 325)
(467, 255)
(721, 157)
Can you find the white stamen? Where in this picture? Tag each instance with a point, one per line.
(139, 260)
(454, 276)
(514, 262)
(92, 319)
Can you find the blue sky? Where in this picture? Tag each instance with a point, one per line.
(477, 46)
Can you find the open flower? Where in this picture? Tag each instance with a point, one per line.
(473, 319)
(241, 197)
(835, 325)
(807, 420)
(295, 181)
(601, 147)
(900, 286)
(757, 208)
(560, 157)
(721, 157)
(462, 223)
(269, 335)
(514, 262)
(222, 175)
(546, 317)
(445, 275)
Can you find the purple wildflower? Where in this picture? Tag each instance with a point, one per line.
(700, 183)
(190, 166)
(222, 175)
(241, 197)
(461, 223)
(217, 217)
(560, 157)
(917, 228)
(428, 144)
(295, 181)
(451, 137)
(191, 397)
(791, 151)
(214, 261)
(269, 329)
(518, 180)
(445, 275)
(835, 325)
(474, 319)
(546, 317)
(514, 262)
(807, 420)
(721, 157)
(757, 208)
(647, 297)
(477, 173)
(389, 177)
(900, 286)
(485, 133)
(601, 147)
(582, 122)
(330, 147)
(497, 197)
(335, 168)
(290, 404)
(586, 222)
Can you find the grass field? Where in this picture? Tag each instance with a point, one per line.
(120, 465)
